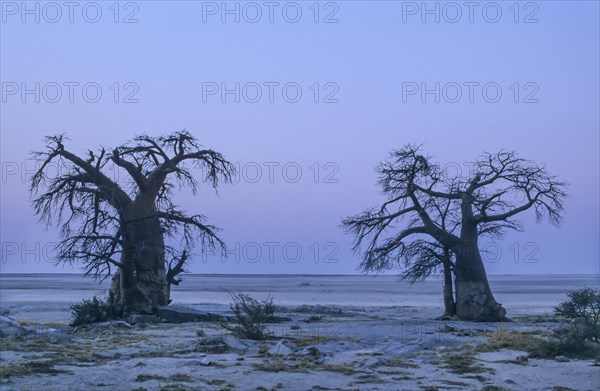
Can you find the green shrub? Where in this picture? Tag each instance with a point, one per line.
(90, 311)
(251, 315)
(582, 312)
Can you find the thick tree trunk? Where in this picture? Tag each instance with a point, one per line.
(140, 285)
(449, 304)
(474, 298)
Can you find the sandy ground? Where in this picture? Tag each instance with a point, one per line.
(321, 348)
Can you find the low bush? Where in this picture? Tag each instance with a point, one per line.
(90, 311)
(582, 312)
(251, 316)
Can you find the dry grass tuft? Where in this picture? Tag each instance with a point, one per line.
(463, 363)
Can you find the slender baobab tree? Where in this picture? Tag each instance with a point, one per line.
(111, 223)
(484, 201)
(423, 258)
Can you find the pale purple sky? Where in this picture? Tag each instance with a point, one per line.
(372, 55)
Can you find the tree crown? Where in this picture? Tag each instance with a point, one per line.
(433, 207)
(93, 207)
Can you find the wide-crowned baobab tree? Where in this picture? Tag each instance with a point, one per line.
(121, 221)
(483, 201)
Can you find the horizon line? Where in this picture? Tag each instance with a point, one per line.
(314, 274)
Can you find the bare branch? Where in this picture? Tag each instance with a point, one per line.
(102, 225)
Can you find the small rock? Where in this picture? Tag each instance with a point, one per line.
(370, 363)
(183, 314)
(304, 284)
(6, 321)
(447, 317)
(192, 363)
(218, 345)
(143, 319)
(314, 319)
(522, 359)
(205, 362)
(213, 345)
(101, 355)
(10, 327)
(236, 345)
(310, 351)
(200, 333)
(448, 329)
(279, 349)
(114, 324)
(562, 359)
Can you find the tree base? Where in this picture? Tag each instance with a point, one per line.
(147, 294)
(475, 302)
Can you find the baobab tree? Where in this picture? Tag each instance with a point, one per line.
(114, 223)
(485, 201)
